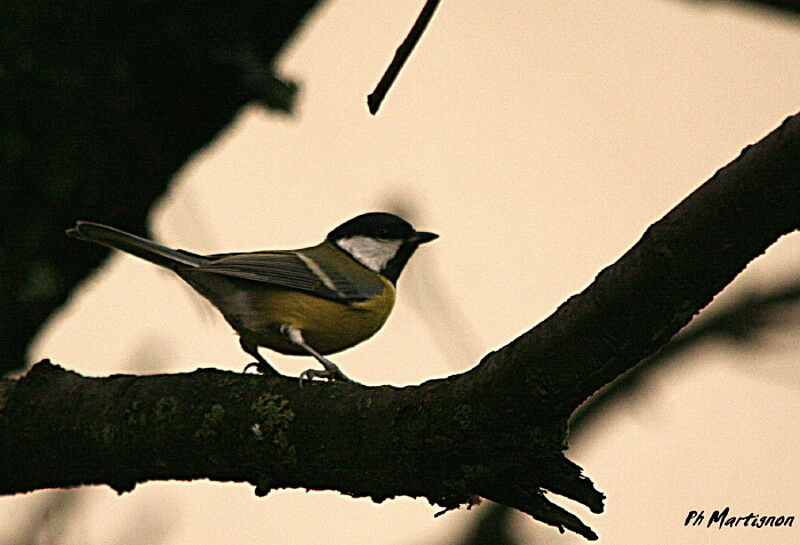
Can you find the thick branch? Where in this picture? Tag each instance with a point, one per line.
(60, 429)
(497, 431)
(635, 305)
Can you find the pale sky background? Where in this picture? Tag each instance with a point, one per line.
(540, 139)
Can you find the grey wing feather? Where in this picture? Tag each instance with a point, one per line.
(283, 269)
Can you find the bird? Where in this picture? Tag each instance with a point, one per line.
(313, 301)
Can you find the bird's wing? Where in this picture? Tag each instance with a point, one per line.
(287, 269)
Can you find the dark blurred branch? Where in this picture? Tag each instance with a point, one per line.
(743, 321)
(102, 102)
(785, 7)
(791, 7)
(491, 526)
(427, 290)
(404, 51)
(48, 523)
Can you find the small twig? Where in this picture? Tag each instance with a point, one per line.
(375, 98)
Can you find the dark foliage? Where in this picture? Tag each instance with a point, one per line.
(101, 102)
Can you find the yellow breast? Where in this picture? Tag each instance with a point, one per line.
(327, 326)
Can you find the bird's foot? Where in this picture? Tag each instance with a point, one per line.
(331, 372)
(261, 367)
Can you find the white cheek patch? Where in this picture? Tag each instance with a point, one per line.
(373, 253)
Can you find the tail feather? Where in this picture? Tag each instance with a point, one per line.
(134, 245)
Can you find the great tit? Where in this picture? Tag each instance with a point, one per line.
(312, 301)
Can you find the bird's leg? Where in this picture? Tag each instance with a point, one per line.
(331, 371)
(261, 365)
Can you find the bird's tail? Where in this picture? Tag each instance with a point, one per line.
(138, 246)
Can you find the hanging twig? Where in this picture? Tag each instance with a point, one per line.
(375, 98)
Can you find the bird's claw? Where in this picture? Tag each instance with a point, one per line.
(330, 373)
(261, 367)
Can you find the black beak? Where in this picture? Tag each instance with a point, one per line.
(421, 237)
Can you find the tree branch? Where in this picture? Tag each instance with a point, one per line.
(637, 304)
(375, 98)
(497, 431)
(743, 321)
